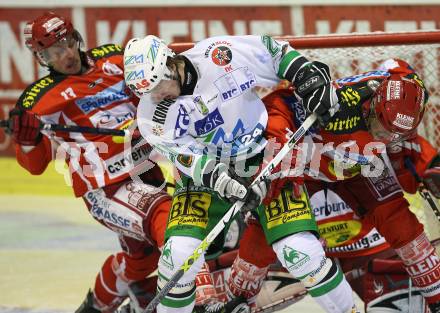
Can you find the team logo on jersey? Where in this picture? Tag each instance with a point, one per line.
(221, 55)
(337, 168)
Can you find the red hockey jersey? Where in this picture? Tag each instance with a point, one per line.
(96, 98)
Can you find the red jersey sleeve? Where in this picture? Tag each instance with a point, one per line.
(420, 152)
(36, 160)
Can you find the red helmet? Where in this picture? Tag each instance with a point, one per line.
(46, 30)
(398, 106)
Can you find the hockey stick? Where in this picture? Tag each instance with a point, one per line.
(424, 192)
(281, 304)
(229, 215)
(73, 128)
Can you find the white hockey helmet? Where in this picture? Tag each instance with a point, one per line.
(145, 63)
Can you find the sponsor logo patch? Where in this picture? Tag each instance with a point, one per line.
(404, 121)
(394, 90)
(182, 123)
(123, 162)
(102, 51)
(293, 258)
(103, 98)
(134, 59)
(207, 124)
(111, 69)
(235, 83)
(286, 208)
(190, 209)
(32, 94)
(161, 111)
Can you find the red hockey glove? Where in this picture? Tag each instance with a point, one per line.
(431, 177)
(279, 179)
(25, 127)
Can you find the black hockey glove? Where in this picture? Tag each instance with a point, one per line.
(313, 86)
(222, 181)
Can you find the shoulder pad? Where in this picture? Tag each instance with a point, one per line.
(105, 51)
(36, 90)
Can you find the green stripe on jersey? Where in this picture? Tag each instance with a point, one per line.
(286, 61)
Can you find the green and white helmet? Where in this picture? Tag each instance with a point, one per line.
(145, 63)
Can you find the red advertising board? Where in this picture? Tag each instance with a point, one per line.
(182, 24)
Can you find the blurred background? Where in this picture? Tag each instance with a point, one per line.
(50, 248)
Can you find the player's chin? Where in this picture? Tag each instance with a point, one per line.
(73, 69)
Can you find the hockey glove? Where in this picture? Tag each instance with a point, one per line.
(25, 127)
(231, 189)
(431, 177)
(313, 86)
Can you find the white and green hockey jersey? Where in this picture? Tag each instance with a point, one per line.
(224, 117)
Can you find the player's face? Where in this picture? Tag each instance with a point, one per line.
(381, 134)
(166, 89)
(63, 56)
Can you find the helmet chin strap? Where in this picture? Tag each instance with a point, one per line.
(176, 75)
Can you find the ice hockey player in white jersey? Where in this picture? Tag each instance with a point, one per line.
(201, 110)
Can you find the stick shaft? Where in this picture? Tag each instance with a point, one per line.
(229, 215)
(74, 129)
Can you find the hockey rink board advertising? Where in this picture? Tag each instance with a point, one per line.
(100, 25)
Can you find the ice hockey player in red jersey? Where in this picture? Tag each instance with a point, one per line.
(87, 88)
(382, 106)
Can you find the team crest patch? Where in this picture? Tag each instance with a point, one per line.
(221, 56)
